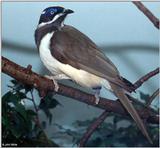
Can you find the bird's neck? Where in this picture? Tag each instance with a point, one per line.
(40, 32)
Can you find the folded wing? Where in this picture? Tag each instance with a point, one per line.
(72, 47)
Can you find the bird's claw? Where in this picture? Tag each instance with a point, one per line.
(97, 99)
(54, 81)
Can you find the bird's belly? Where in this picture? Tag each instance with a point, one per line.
(82, 77)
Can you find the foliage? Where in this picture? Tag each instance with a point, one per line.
(47, 103)
(20, 126)
(112, 134)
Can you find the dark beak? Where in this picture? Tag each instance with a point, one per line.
(68, 11)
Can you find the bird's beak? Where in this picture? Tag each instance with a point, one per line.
(68, 11)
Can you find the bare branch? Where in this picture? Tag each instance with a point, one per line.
(44, 85)
(147, 13)
(92, 128)
(152, 97)
(149, 75)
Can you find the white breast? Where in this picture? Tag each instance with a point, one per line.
(49, 61)
(55, 67)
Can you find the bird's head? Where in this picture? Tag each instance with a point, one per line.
(54, 15)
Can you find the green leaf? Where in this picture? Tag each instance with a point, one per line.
(5, 121)
(28, 88)
(20, 86)
(144, 96)
(10, 97)
(14, 98)
(53, 103)
(15, 82)
(18, 123)
(31, 112)
(116, 119)
(7, 96)
(48, 103)
(16, 133)
(21, 95)
(21, 110)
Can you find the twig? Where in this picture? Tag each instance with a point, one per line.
(36, 109)
(152, 97)
(92, 128)
(147, 13)
(138, 83)
(41, 83)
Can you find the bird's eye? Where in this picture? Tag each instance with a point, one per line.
(51, 12)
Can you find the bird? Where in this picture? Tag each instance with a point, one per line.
(69, 54)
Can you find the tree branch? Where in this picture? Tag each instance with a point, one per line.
(147, 13)
(44, 85)
(93, 127)
(139, 82)
(152, 97)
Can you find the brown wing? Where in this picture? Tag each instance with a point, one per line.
(72, 47)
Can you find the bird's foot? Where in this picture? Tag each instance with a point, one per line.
(97, 93)
(97, 99)
(54, 81)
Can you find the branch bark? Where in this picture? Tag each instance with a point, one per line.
(92, 128)
(152, 97)
(147, 13)
(43, 85)
(144, 78)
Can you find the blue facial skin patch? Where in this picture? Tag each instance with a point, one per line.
(49, 13)
(53, 10)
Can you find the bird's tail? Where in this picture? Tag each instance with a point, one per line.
(119, 92)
